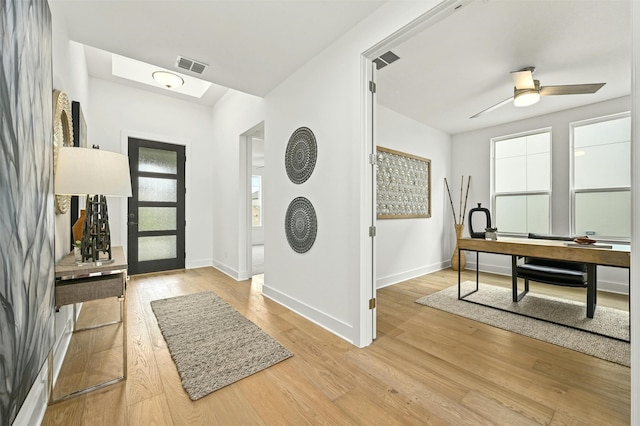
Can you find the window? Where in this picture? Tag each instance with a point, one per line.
(256, 200)
(521, 184)
(601, 181)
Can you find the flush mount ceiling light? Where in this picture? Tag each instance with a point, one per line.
(168, 79)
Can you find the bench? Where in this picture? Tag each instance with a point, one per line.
(554, 272)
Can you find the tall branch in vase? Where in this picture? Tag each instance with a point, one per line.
(458, 221)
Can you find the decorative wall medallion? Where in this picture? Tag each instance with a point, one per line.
(301, 154)
(301, 225)
(62, 136)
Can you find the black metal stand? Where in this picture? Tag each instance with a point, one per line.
(96, 236)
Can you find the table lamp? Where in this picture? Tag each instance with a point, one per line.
(96, 174)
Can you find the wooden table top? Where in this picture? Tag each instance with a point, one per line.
(68, 266)
(619, 255)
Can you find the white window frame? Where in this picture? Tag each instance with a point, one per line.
(493, 177)
(572, 190)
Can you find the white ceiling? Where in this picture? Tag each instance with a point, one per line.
(447, 73)
(249, 45)
(461, 65)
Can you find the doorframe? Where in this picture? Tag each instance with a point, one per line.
(245, 257)
(368, 278)
(124, 149)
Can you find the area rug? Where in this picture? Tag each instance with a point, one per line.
(212, 344)
(521, 318)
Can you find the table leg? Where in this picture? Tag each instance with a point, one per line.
(591, 289)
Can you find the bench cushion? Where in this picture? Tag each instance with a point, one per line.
(552, 275)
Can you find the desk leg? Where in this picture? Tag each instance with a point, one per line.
(514, 281)
(123, 317)
(461, 296)
(591, 289)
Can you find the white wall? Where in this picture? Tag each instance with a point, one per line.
(407, 248)
(327, 94)
(233, 115)
(119, 111)
(471, 154)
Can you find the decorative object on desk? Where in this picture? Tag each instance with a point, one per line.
(77, 227)
(605, 336)
(301, 225)
(212, 344)
(87, 171)
(27, 211)
(584, 241)
(491, 234)
(301, 154)
(458, 223)
(77, 250)
(403, 185)
(487, 214)
(62, 136)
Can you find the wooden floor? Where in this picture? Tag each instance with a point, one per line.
(426, 367)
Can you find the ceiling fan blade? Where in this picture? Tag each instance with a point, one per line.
(571, 89)
(523, 79)
(491, 108)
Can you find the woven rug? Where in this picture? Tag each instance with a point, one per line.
(212, 344)
(521, 318)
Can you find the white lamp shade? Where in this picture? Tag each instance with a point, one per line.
(82, 171)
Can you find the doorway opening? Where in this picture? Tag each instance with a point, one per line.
(252, 167)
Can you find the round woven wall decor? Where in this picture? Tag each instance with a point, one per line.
(301, 225)
(301, 154)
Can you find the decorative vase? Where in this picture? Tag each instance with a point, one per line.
(77, 227)
(454, 258)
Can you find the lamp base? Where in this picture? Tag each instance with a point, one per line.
(96, 236)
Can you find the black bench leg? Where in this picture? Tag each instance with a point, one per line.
(591, 289)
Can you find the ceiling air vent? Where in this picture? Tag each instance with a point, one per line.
(191, 65)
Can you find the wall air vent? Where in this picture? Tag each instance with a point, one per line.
(385, 59)
(191, 65)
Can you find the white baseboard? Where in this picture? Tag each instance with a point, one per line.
(407, 275)
(329, 323)
(198, 263)
(225, 269)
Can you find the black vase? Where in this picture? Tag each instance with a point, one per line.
(488, 218)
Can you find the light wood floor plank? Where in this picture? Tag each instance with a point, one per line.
(426, 367)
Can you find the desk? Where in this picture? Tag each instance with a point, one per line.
(617, 256)
(83, 282)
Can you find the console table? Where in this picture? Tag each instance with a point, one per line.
(78, 282)
(617, 256)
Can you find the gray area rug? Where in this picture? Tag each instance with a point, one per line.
(606, 321)
(212, 344)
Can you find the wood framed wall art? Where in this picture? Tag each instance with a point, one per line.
(403, 185)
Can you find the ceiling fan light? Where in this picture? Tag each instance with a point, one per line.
(526, 98)
(168, 79)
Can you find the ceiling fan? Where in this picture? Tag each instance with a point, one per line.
(527, 91)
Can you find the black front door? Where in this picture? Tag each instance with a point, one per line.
(156, 220)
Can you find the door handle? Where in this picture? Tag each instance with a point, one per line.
(132, 223)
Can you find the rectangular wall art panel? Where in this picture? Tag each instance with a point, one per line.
(26, 199)
(403, 185)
